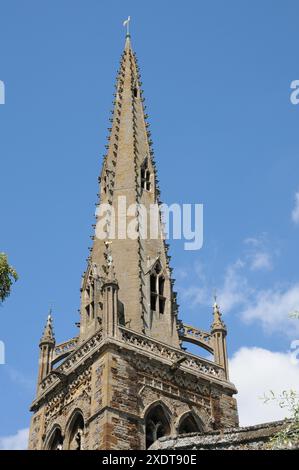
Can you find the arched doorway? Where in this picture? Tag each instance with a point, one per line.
(75, 432)
(157, 424)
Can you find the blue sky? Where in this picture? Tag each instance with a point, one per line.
(217, 81)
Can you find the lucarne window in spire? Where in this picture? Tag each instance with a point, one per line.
(145, 176)
(157, 282)
(135, 90)
(89, 300)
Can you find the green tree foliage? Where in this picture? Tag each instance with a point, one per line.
(288, 437)
(7, 276)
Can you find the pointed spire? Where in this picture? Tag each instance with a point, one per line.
(129, 151)
(219, 332)
(48, 334)
(217, 322)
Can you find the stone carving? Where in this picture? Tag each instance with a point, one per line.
(79, 388)
(61, 350)
(72, 361)
(159, 349)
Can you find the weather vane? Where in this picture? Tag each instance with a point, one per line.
(51, 308)
(126, 23)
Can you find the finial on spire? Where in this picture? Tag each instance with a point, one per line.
(215, 297)
(48, 334)
(217, 322)
(126, 24)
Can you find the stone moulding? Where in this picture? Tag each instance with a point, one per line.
(196, 336)
(72, 362)
(62, 350)
(177, 357)
(173, 357)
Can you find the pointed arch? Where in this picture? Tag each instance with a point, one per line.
(88, 288)
(157, 420)
(75, 431)
(55, 439)
(189, 422)
(157, 287)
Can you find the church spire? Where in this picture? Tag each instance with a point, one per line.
(219, 332)
(128, 185)
(46, 346)
(218, 323)
(96, 391)
(48, 334)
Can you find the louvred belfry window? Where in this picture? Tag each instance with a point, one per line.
(157, 283)
(145, 176)
(153, 281)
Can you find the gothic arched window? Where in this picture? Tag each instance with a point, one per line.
(156, 425)
(89, 299)
(188, 424)
(56, 440)
(75, 433)
(157, 283)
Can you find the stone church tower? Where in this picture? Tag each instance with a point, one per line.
(126, 380)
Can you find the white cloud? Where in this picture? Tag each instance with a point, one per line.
(260, 260)
(295, 212)
(256, 371)
(252, 241)
(235, 290)
(269, 307)
(196, 295)
(257, 254)
(199, 269)
(272, 308)
(18, 441)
